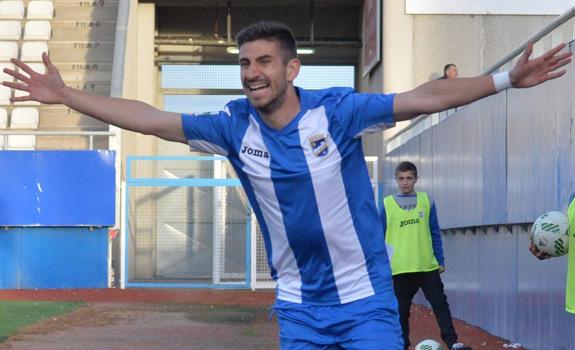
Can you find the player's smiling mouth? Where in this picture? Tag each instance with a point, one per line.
(257, 86)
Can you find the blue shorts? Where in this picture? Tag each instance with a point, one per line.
(367, 324)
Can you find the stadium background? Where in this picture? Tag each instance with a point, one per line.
(492, 167)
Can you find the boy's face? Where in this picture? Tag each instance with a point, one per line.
(406, 181)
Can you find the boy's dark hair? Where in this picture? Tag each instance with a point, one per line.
(267, 30)
(406, 166)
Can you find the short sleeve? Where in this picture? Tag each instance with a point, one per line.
(208, 132)
(363, 113)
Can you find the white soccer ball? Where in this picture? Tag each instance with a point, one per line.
(550, 233)
(429, 344)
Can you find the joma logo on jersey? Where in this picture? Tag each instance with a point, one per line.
(319, 144)
(408, 222)
(255, 152)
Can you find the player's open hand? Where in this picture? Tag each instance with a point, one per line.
(539, 254)
(45, 88)
(530, 72)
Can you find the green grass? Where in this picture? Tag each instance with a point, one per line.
(17, 314)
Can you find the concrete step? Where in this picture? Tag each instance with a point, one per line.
(63, 118)
(60, 117)
(101, 10)
(81, 53)
(83, 31)
(73, 31)
(71, 142)
(87, 73)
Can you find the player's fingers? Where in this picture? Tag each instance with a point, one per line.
(554, 75)
(17, 75)
(47, 62)
(553, 51)
(560, 64)
(21, 98)
(528, 51)
(554, 67)
(17, 86)
(23, 66)
(560, 58)
(564, 55)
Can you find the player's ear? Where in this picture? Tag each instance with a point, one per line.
(293, 67)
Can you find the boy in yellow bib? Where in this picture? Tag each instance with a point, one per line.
(413, 240)
(570, 292)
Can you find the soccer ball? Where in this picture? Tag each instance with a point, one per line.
(429, 344)
(550, 233)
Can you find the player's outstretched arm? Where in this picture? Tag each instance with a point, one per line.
(132, 115)
(439, 95)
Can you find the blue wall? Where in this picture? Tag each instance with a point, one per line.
(57, 188)
(53, 258)
(55, 207)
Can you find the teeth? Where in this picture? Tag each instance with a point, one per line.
(258, 86)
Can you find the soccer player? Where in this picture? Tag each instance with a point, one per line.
(413, 239)
(298, 155)
(570, 291)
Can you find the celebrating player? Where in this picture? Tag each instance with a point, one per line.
(298, 155)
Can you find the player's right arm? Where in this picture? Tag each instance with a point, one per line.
(131, 115)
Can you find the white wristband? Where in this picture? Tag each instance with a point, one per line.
(501, 81)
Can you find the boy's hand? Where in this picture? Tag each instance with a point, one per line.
(539, 254)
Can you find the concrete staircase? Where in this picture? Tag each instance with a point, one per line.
(82, 47)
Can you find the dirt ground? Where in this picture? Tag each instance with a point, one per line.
(149, 319)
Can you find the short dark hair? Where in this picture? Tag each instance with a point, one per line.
(406, 166)
(268, 30)
(446, 68)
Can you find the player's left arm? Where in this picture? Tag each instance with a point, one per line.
(436, 236)
(439, 95)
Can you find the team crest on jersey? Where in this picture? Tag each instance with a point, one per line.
(319, 144)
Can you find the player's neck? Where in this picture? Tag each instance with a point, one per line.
(283, 114)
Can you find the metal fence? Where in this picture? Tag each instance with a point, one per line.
(188, 224)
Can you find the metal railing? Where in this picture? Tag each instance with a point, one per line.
(89, 134)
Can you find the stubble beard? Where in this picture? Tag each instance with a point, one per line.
(275, 104)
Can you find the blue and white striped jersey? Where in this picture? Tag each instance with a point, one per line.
(310, 190)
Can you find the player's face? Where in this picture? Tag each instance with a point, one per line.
(406, 181)
(265, 76)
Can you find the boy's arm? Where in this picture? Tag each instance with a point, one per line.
(436, 237)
